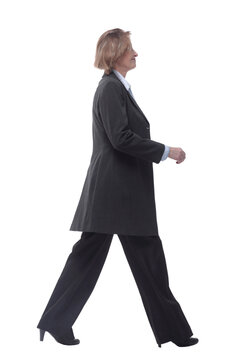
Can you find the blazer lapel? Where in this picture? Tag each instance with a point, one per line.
(129, 95)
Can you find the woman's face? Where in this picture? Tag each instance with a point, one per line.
(127, 61)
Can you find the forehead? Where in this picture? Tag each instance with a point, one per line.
(128, 45)
(126, 41)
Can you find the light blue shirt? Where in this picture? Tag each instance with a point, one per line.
(128, 86)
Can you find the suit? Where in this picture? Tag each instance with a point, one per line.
(118, 191)
(118, 197)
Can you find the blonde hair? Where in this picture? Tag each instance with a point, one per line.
(111, 45)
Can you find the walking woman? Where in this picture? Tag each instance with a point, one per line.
(118, 198)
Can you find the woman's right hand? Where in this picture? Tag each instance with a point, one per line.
(177, 154)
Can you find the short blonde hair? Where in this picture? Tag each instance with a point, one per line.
(111, 45)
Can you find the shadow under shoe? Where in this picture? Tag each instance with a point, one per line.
(65, 339)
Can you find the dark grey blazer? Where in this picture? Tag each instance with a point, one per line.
(118, 192)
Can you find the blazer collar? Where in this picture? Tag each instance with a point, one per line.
(114, 76)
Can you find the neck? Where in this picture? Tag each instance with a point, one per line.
(121, 71)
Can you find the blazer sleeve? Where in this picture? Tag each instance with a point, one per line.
(112, 109)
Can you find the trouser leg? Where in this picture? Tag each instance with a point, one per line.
(76, 282)
(147, 261)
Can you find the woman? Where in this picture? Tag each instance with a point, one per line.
(118, 198)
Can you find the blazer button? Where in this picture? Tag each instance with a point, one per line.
(147, 127)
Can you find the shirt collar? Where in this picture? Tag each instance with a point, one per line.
(122, 79)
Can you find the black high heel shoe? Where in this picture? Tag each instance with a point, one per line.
(66, 339)
(188, 342)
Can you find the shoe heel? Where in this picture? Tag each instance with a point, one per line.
(42, 332)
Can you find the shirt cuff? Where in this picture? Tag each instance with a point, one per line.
(166, 152)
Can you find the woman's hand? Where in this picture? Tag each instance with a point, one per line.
(177, 154)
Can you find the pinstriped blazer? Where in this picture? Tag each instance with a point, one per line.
(118, 193)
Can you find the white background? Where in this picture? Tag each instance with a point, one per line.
(186, 81)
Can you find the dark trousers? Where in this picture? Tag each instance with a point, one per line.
(146, 259)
